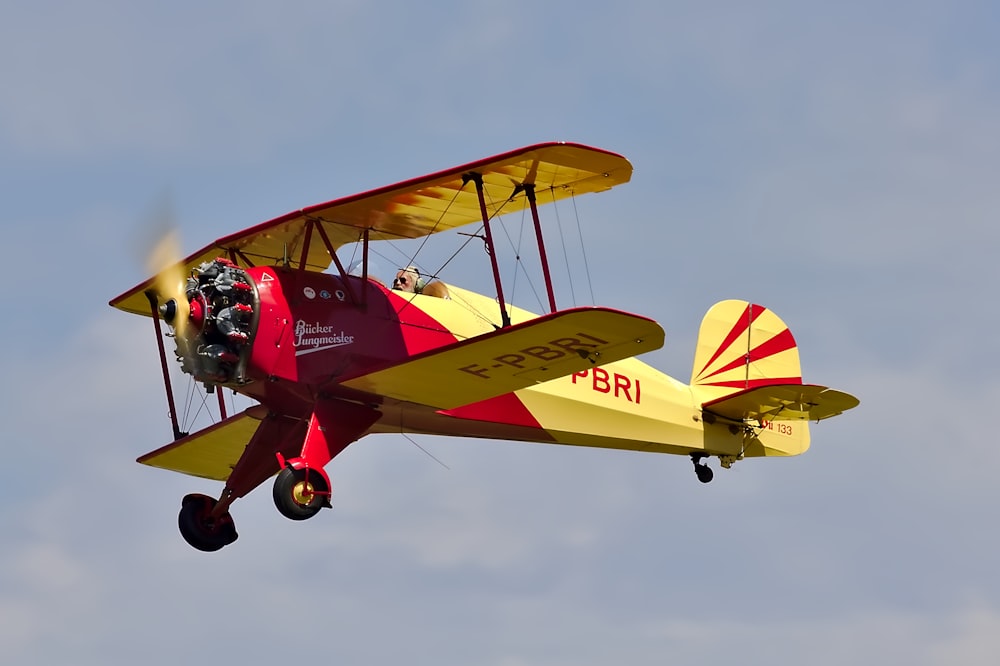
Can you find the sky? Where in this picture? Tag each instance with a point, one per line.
(835, 162)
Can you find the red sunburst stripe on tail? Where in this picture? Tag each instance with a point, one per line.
(781, 342)
(742, 324)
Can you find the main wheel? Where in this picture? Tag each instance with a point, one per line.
(200, 529)
(704, 473)
(300, 494)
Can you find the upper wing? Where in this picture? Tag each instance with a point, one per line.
(413, 208)
(513, 358)
(783, 402)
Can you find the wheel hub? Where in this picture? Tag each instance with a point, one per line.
(303, 493)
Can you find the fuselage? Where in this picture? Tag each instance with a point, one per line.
(315, 330)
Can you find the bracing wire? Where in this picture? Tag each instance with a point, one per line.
(188, 421)
(562, 241)
(517, 255)
(436, 223)
(583, 249)
(431, 455)
(371, 249)
(519, 263)
(519, 266)
(454, 254)
(410, 259)
(189, 399)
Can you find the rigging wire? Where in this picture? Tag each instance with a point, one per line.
(410, 260)
(402, 432)
(436, 223)
(454, 254)
(519, 263)
(583, 249)
(432, 456)
(249, 402)
(562, 240)
(188, 420)
(186, 414)
(496, 213)
(372, 250)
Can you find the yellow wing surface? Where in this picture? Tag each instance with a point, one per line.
(514, 358)
(210, 453)
(412, 209)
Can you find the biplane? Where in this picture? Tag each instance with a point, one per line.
(327, 353)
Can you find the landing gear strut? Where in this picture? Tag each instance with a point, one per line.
(701, 470)
(201, 528)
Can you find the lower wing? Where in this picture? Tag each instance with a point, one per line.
(210, 453)
(513, 358)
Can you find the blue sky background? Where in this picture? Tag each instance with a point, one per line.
(836, 163)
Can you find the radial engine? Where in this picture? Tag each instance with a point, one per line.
(213, 340)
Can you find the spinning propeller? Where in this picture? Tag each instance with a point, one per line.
(169, 283)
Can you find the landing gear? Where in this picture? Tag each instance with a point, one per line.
(300, 493)
(701, 470)
(202, 529)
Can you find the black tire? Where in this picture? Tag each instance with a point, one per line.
(299, 494)
(199, 529)
(704, 473)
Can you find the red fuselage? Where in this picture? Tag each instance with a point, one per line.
(313, 330)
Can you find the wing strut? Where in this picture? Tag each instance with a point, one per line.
(364, 268)
(332, 251)
(163, 365)
(477, 178)
(222, 402)
(529, 190)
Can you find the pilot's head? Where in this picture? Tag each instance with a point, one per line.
(408, 279)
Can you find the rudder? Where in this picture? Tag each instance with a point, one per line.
(741, 346)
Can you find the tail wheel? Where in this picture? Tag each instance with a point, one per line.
(300, 493)
(202, 530)
(701, 470)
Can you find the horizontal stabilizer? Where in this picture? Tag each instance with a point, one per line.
(513, 358)
(782, 402)
(210, 453)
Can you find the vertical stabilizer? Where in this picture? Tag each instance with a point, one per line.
(743, 346)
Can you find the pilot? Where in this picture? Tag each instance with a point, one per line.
(409, 280)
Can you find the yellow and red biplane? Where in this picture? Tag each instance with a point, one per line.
(328, 355)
